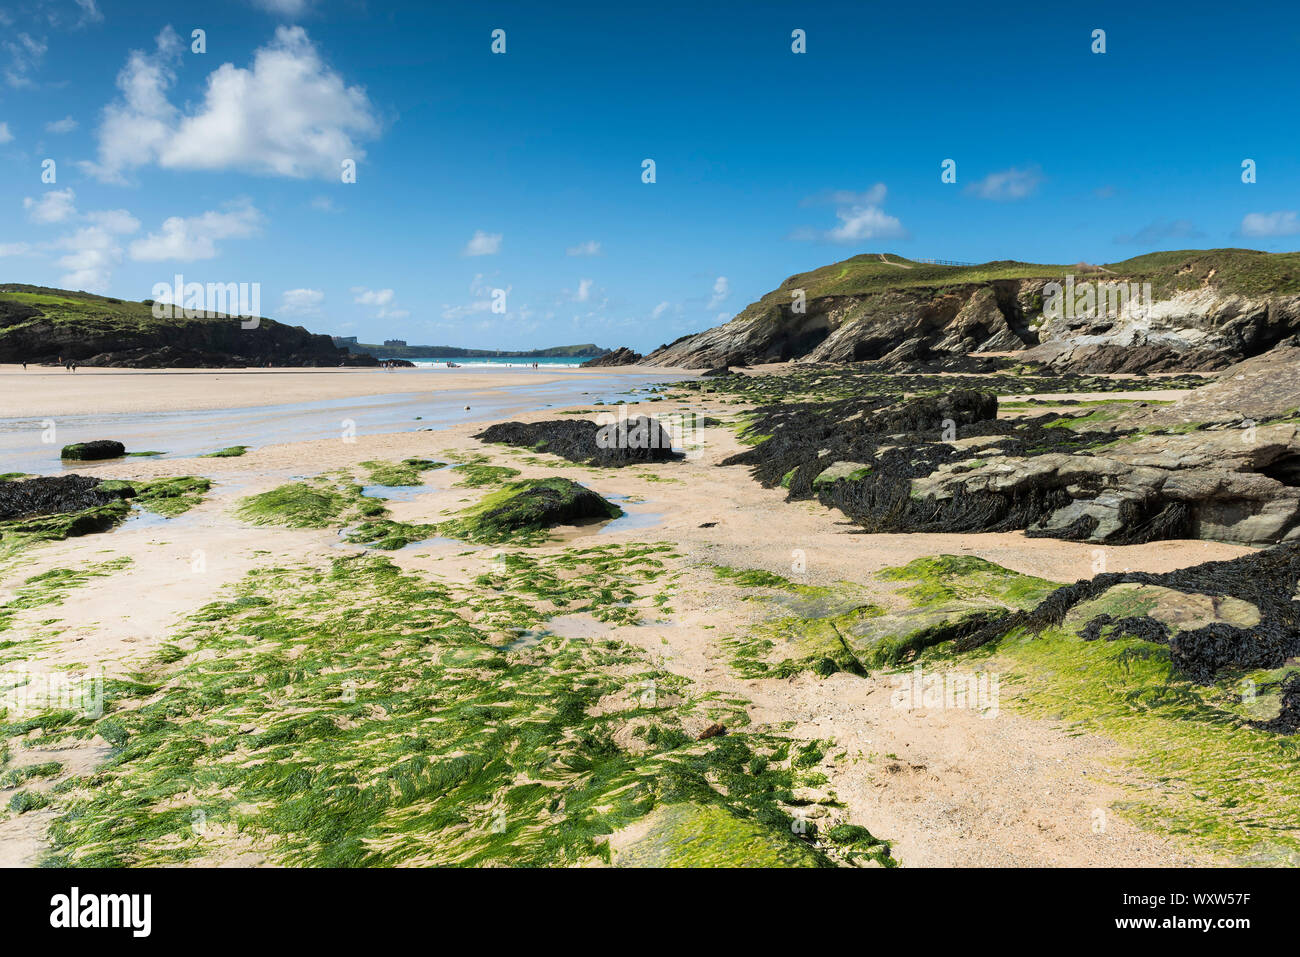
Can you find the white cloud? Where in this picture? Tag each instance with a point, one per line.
(92, 254)
(660, 309)
(873, 196)
(482, 294)
(383, 298)
(287, 115)
(284, 8)
(195, 237)
(25, 55)
(372, 297)
(65, 125)
(14, 249)
(93, 250)
(483, 244)
(1008, 184)
(89, 13)
(721, 289)
(5, 135)
(589, 248)
(1281, 223)
(301, 302)
(117, 221)
(865, 222)
(323, 204)
(860, 216)
(584, 290)
(54, 206)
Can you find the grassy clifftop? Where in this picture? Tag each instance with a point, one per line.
(64, 307)
(42, 324)
(1245, 271)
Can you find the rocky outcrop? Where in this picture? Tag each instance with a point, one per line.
(1239, 614)
(1206, 310)
(97, 449)
(1215, 485)
(627, 441)
(947, 464)
(535, 504)
(54, 495)
(52, 325)
(1256, 390)
(621, 356)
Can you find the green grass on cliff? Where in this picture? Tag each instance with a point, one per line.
(103, 313)
(1246, 271)
(98, 319)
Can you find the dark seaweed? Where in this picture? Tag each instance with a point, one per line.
(98, 449)
(631, 441)
(54, 495)
(1267, 579)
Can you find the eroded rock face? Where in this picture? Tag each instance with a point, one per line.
(947, 464)
(621, 356)
(1211, 485)
(1178, 329)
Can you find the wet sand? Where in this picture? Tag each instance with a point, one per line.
(41, 392)
(188, 413)
(1016, 791)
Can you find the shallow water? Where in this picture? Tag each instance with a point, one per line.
(189, 433)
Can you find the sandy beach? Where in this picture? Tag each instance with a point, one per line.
(946, 788)
(41, 391)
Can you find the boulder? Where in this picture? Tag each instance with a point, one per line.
(535, 504)
(90, 451)
(634, 440)
(55, 495)
(621, 356)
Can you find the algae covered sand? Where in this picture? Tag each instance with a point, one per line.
(298, 715)
(391, 674)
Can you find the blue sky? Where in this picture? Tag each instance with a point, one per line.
(522, 172)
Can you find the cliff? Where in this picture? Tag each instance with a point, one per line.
(1168, 311)
(39, 324)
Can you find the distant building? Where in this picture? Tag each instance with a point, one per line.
(344, 340)
(392, 342)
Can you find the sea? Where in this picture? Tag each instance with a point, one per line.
(409, 407)
(500, 362)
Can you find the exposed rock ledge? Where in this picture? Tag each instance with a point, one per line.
(1207, 309)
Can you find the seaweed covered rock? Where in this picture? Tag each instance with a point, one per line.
(530, 506)
(628, 441)
(1238, 614)
(946, 463)
(1288, 717)
(804, 439)
(54, 495)
(622, 356)
(90, 451)
(53, 508)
